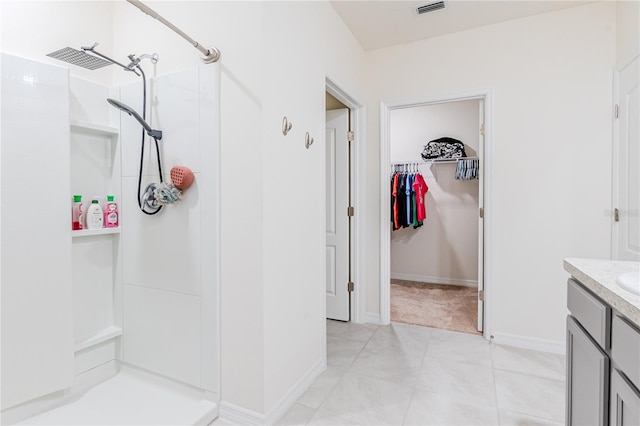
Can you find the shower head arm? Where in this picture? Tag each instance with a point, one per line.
(92, 50)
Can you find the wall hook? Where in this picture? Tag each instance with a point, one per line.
(308, 140)
(286, 126)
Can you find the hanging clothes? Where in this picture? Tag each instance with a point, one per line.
(421, 189)
(407, 206)
(402, 200)
(408, 191)
(394, 205)
(468, 169)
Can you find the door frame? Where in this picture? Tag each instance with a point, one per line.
(357, 123)
(615, 160)
(385, 142)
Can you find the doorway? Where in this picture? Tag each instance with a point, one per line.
(344, 134)
(626, 151)
(468, 203)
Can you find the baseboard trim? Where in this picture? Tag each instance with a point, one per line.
(543, 345)
(371, 318)
(287, 401)
(238, 415)
(434, 280)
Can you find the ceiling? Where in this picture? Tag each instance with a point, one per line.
(377, 23)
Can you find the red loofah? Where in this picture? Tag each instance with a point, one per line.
(182, 177)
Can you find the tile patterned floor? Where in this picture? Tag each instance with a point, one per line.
(408, 375)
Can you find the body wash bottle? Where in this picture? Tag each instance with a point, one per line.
(76, 213)
(111, 213)
(94, 215)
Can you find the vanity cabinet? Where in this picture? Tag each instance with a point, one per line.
(625, 401)
(603, 362)
(587, 360)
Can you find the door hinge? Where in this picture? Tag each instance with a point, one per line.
(350, 286)
(481, 212)
(482, 129)
(616, 215)
(481, 295)
(616, 110)
(350, 136)
(351, 211)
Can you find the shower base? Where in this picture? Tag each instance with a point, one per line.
(133, 397)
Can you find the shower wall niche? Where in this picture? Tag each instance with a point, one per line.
(95, 159)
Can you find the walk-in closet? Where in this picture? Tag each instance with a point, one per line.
(435, 253)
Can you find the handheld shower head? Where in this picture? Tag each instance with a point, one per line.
(157, 134)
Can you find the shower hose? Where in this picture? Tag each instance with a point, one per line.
(144, 117)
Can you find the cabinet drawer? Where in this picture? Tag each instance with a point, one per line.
(591, 313)
(625, 348)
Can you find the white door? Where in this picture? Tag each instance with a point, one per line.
(481, 218)
(337, 193)
(626, 225)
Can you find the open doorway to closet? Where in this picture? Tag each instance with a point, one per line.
(432, 270)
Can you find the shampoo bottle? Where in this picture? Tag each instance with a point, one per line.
(94, 215)
(76, 213)
(111, 213)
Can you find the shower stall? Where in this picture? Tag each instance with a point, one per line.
(115, 325)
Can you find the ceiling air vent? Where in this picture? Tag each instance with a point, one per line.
(423, 8)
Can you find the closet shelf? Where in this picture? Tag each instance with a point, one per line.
(449, 160)
(95, 339)
(94, 128)
(91, 232)
(432, 161)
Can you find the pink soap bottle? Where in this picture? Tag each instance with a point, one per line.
(76, 213)
(111, 213)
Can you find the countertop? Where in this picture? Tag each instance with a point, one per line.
(600, 276)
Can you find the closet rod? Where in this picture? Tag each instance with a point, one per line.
(434, 160)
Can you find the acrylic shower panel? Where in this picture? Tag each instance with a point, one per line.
(162, 251)
(170, 296)
(93, 159)
(173, 107)
(95, 156)
(93, 284)
(37, 330)
(87, 102)
(163, 332)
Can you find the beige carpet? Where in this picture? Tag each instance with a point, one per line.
(448, 307)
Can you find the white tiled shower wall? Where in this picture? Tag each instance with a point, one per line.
(163, 271)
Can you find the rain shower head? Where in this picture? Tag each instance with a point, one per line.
(156, 134)
(80, 58)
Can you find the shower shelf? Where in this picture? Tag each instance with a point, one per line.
(95, 339)
(94, 128)
(91, 232)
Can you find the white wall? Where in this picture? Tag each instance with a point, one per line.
(32, 29)
(551, 76)
(627, 31)
(445, 248)
(294, 182)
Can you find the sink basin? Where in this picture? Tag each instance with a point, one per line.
(630, 281)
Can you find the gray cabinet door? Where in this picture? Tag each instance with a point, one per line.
(625, 401)
(587, 378)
